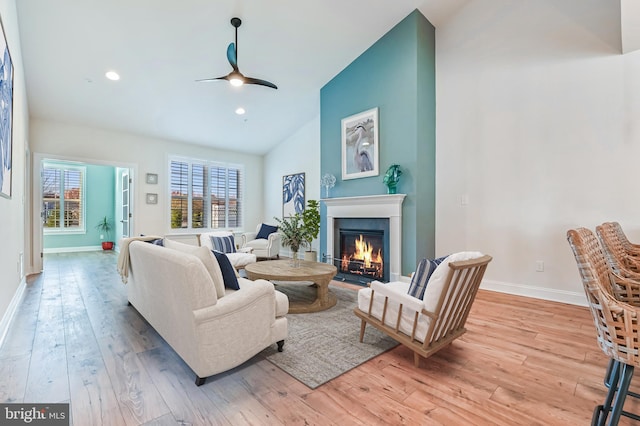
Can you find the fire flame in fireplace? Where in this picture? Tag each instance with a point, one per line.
(364, 253)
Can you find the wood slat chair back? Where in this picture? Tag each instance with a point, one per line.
(448, 319)
(616, 322)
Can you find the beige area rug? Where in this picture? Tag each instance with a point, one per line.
(323, 345)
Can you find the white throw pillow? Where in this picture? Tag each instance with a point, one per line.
(439, 277)
(206, 257)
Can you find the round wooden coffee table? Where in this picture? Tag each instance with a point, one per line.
(281, 270)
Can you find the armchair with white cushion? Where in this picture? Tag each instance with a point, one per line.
(265, 242)
(429, 323)
(239, 257)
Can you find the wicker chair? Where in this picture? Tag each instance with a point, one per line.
(426, 326)
(625, 283)
(616, 323)
(630, 248)
(625, 255)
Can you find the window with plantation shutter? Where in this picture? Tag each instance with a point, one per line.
(63, 198)
(205, 195)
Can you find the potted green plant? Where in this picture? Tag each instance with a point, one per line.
(293, 233)
(311, 224)
(105, 226)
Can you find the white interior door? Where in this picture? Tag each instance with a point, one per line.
(125, 184)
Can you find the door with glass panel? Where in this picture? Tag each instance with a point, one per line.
(125, 184)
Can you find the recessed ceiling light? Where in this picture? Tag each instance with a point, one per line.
(240, 111)
(112, 75)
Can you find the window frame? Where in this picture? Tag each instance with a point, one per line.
(208, 165)
(61, 230)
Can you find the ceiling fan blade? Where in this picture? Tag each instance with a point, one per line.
(206, 80)
(249, 80)
(232, 56)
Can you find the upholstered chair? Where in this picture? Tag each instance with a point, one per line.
(265, 242)
(239, 257)
(430, 321)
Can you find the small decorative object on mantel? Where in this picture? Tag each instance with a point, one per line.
(392, 177)
(328, 181)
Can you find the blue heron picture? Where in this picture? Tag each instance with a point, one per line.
(6, 113)
(360, 145)
(292, 194)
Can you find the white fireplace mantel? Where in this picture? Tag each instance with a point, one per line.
(388, 206)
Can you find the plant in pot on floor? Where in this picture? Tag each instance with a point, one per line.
(311, 224)
(293, 234)
(105, 227)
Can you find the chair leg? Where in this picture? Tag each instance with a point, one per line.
(416, 359)
(363, 324)
(611, 379)
(280, 345)
(625, 381)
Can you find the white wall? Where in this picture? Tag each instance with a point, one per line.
(15, 237)
(298, 153)
(537, 122)
(146, 155)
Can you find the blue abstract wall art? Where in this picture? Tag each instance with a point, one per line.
(292, 194)
(6, 115)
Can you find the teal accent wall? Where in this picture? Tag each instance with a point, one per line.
(397, 75)
(100, 201)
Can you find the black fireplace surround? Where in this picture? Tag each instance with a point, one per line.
(375, 232)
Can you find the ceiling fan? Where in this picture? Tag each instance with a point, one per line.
(235, 77)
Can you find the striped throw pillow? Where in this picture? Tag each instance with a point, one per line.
(421, 276)
(224, 244)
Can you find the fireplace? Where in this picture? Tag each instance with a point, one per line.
(361, 248)
(387, 206)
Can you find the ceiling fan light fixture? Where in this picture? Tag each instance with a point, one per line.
(240, 111)
(236, 81)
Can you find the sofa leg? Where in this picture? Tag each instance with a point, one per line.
(129, 303)
(200, 380)
(280, 345)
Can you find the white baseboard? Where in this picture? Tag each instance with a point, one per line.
(554, 295)
(11, 310)
(72, 249)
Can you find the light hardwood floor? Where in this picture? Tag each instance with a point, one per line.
(74, 339)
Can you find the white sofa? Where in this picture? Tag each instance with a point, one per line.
(263, 248)
(175, 292)
(239, 260)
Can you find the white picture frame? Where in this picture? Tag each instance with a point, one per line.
(360, 145)
(152, 198)
(152, 178)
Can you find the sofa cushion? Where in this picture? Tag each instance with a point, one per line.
(260, 244)
(223, 244)
(439, 277)
(206, 257)
(228, 271)
(265, 231)
(420, 278)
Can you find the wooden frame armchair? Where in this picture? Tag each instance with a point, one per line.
(425, 326)
(616, 323)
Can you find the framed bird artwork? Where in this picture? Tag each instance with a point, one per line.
(360, 146)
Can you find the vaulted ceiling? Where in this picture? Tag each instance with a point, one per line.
(160, 47)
